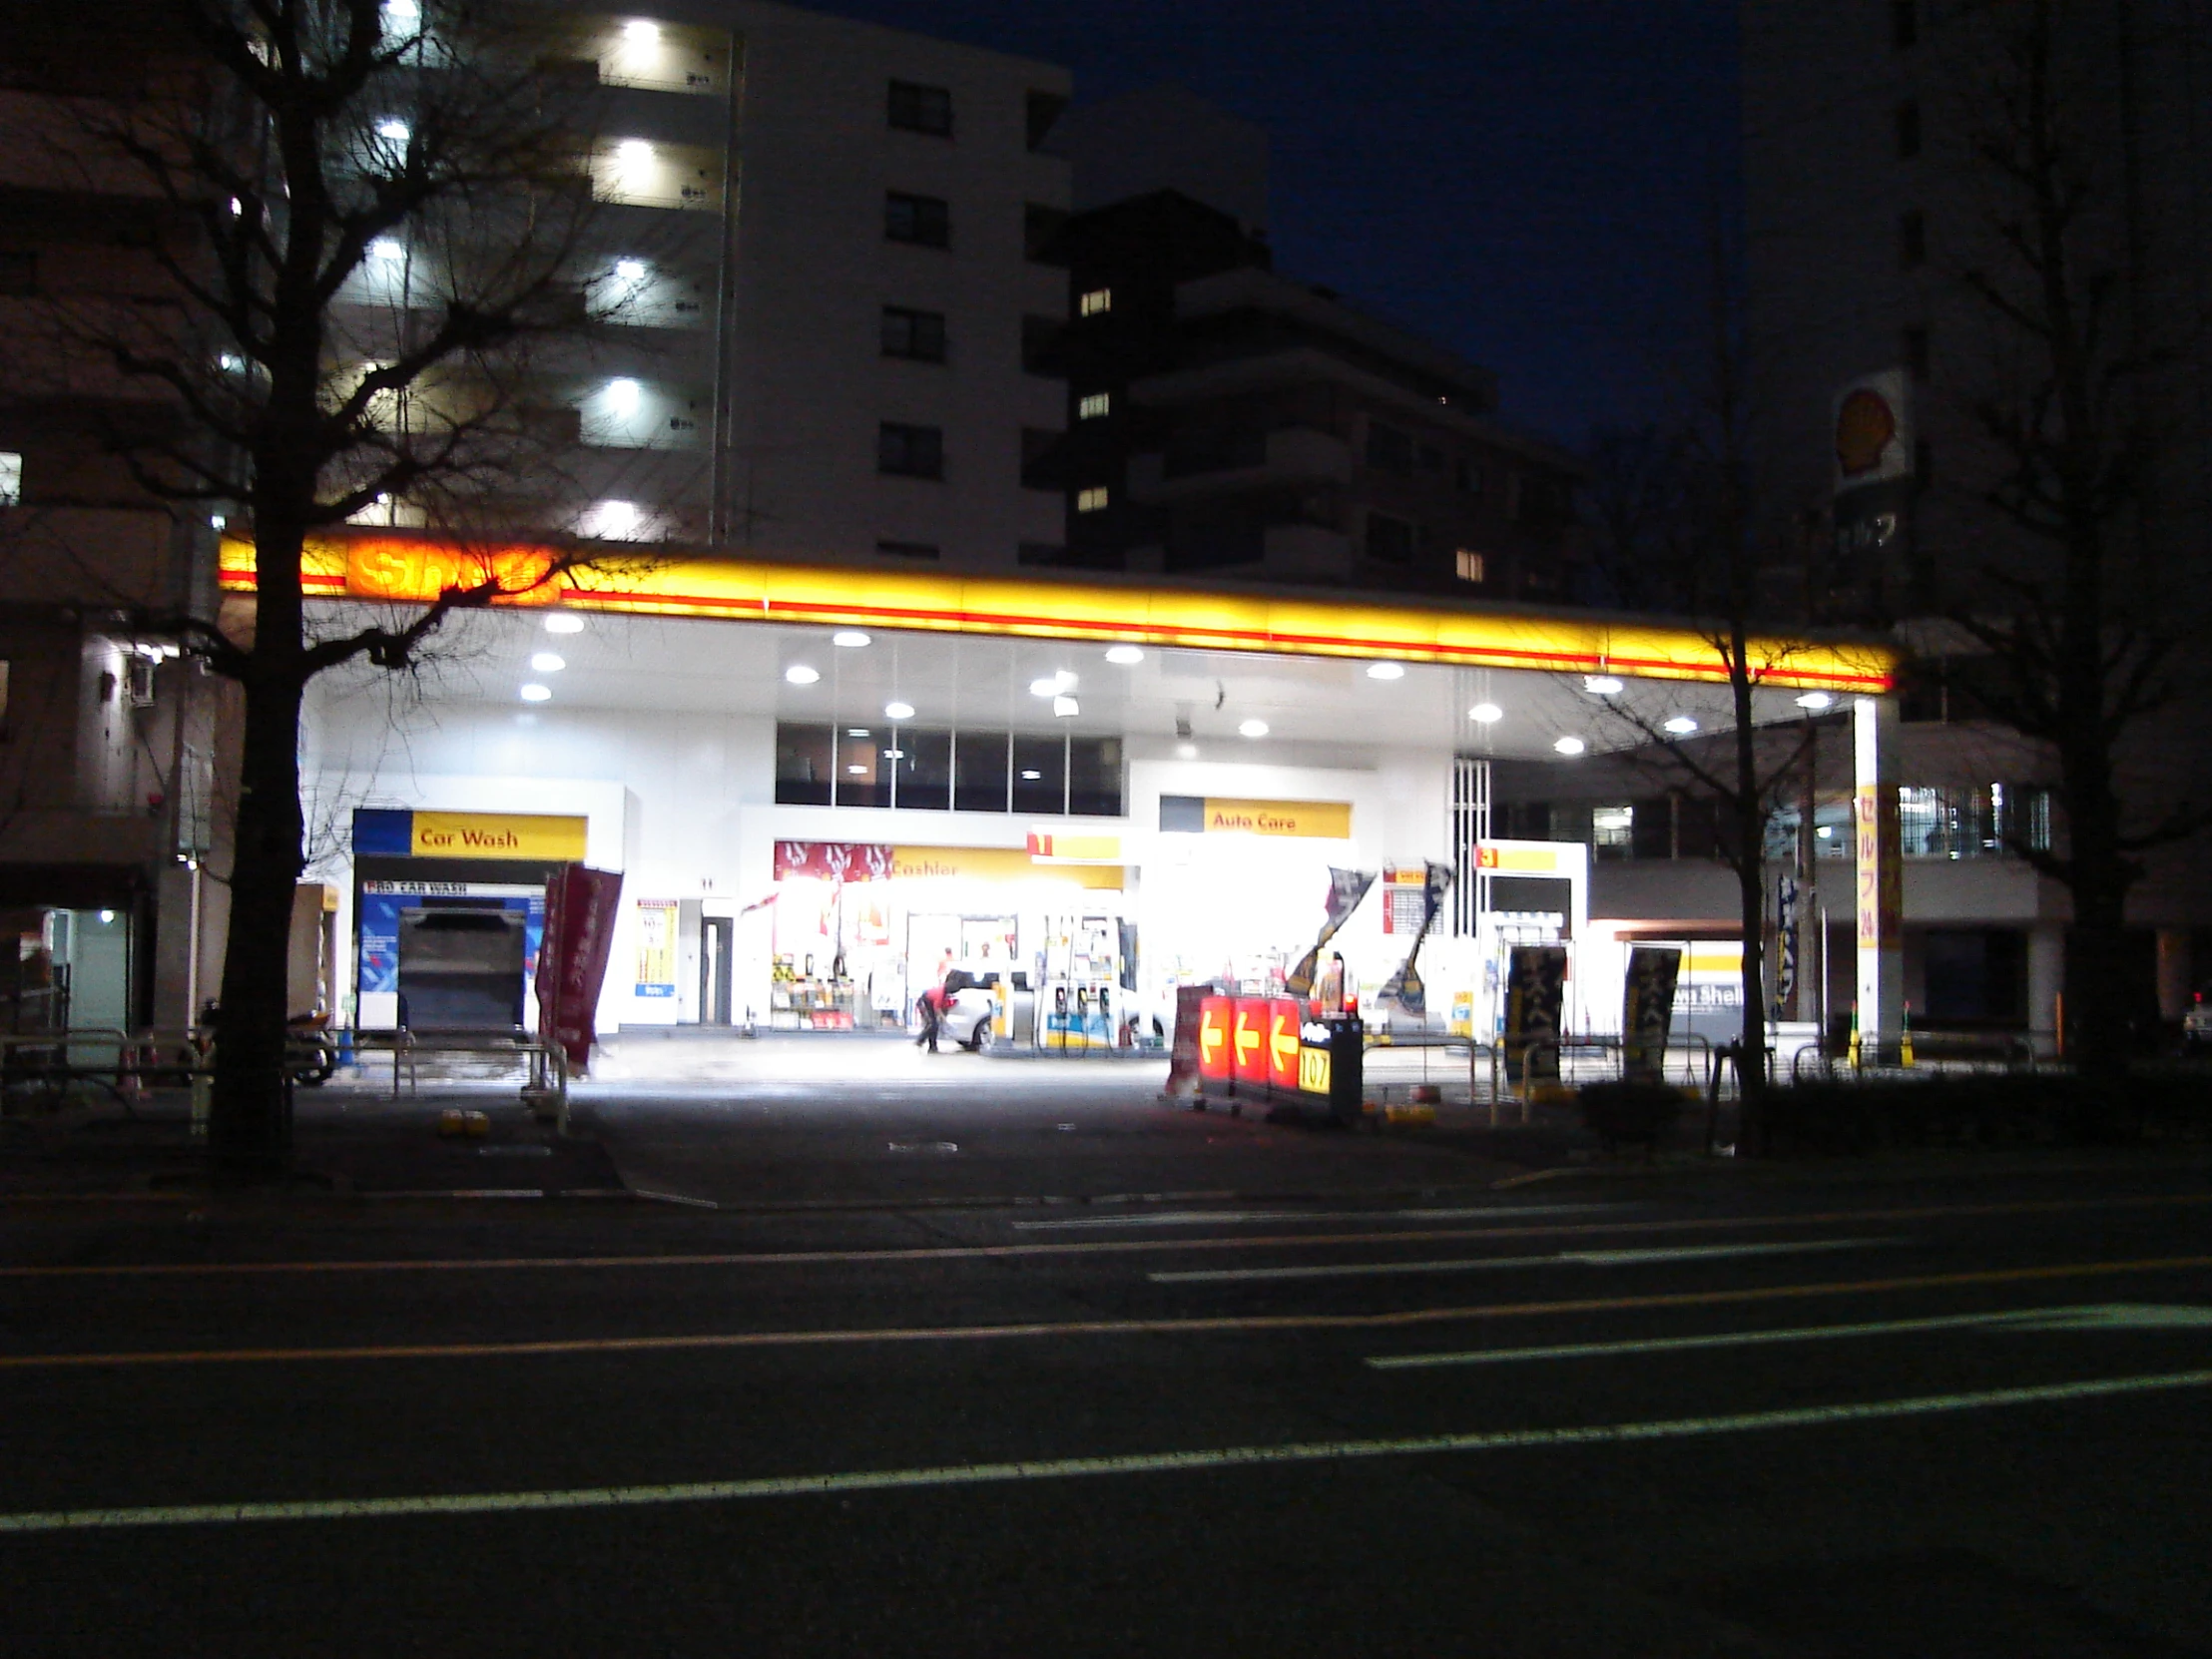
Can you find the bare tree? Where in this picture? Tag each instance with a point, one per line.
(2075, 604)
(371, 214)
(1681, 529)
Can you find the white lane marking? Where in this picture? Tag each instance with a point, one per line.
(1480, 1264)
(2095, 1317)
(1064, 1469)
(1201, 1218)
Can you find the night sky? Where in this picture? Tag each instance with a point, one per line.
(1527, 181)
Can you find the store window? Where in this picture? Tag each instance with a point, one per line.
(1613, 832)
(1094, 776)
(863, 775)
(1040, 774)
(921, 762)
(979, 771)
(803, 756)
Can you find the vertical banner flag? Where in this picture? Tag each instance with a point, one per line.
(1346, 889)
(572, 957)
(1535, 991)
(1405, 987)
(1786, 944)
(1647, 1011)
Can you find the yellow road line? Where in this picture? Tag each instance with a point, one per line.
(1083, 1247)
(1090, 1328)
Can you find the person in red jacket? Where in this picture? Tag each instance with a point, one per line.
(930, 1006)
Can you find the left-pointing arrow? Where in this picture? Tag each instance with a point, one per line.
(1247, 1038)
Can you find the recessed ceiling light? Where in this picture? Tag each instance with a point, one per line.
(630, 271)
(1570, 746)
(1681, 726)
(1816, 699)
(1254, 727)
(856, 731)
(855, 767)
(798, 674)
(1825, 831)
(898, 711)
(1601, 685)
(564, 622)
(1488, 713)
(1031, 776)
(1066, 707)
(851, 638)
(534, 693)
(1385, 671)
(1186, 752)
(1053, 685)
(1125, 654)
(548, 662)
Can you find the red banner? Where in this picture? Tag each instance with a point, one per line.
(572, 959)
(834, 860)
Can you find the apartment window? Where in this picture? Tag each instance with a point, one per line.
(909, 451)
(1913, 344)
(1041, 458)
(920, 109)
(18, 274)
(1043, 110)
(1904, 23)
(11, 478)
(1389, 540)
(1908, 129)
(1094, 405)
(909, 550)
(1469, 565)
(1092, 500)
(1912, 238)
(924, 220)
(1516, 496)
(1041, 228)
(916, 334)
(1389, 449)
(1040, 345)
(1466, 476)
(1095, 303)
(1432, 458)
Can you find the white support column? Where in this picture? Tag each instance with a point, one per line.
(2046, 979)
(1880, 884)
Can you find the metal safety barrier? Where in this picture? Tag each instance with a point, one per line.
(547, 1064)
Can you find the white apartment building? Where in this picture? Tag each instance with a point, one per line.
(810, 244)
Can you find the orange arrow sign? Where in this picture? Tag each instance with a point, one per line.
(1282, 1040)
(1209, 1035)
(1247, 1038)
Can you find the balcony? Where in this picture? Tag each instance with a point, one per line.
(1289, 455)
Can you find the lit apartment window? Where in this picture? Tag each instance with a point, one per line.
(1095, 406)
(916, 334)
(909, 451)
(920, 109)
(1092, 500)
(1470, 565)
(924, 220)
(11, 478)
(1095, 303)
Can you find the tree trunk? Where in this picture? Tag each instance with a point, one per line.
(249, 1128)
(1751, 884)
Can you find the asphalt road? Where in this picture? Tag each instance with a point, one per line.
(1936, 1414)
